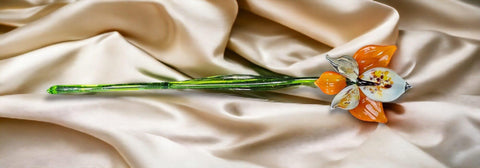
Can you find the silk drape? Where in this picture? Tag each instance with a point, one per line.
(48, 42)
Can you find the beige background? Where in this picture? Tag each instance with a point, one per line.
(47, 42)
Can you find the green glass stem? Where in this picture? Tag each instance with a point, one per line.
(221, 82)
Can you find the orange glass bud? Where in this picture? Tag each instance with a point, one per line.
(369, 110)
(331, 82)
(372, 56)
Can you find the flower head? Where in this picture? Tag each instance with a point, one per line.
(362, 83)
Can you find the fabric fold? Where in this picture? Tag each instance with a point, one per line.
(49, 42)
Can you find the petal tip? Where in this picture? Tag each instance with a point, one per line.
(383, 120)
(407, 86)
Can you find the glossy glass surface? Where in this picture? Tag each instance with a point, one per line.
(347, 99)
(221, 82)
(369, 110)
(331, 82)
(372, 56)
(388, 85)
(345, 65)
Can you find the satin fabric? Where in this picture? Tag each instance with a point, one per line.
(48, 42)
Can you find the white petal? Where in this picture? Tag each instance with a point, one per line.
(345, 65)
(389, 85)
(347, 99)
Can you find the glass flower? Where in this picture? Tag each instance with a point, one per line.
(361, 83)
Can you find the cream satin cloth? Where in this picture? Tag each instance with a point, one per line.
(47, 42)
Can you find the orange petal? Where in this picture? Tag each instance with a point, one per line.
(369, 110)
(374, 56)
(331, 82)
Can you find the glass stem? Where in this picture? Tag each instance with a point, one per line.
(221, 82)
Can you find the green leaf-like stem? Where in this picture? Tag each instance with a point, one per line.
(221, 82)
